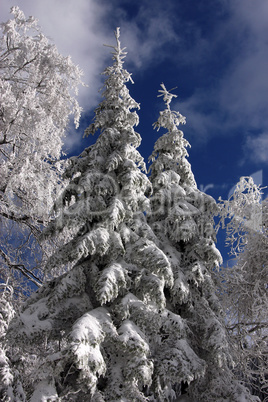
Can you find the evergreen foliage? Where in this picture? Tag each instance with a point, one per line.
(101, 309)
(182, 218)
(135, 318)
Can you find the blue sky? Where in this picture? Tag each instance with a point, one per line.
(214, 51)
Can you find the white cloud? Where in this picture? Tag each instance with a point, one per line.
(256, 148)
(146, 37)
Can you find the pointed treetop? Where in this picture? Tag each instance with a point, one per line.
(119, 54)
(115, 109)
(168, 119)
(167, 95)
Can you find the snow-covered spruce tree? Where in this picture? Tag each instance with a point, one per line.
(99, 327)
(38, 88)
(182, 218)
(243, 284)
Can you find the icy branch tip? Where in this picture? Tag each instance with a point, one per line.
(167, 95)
(117, 33)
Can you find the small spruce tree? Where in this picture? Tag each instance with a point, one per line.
(182, 218)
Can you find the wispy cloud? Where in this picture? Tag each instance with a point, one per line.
(238, 99)
(256, 148)
(202, 115)
(244, 88)
(147, 36)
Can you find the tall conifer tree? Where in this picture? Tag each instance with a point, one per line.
(103, 312)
